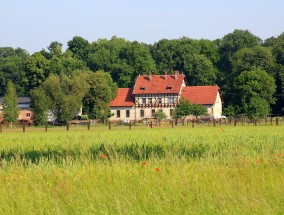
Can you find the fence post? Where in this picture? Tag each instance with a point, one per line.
(88, 124)
(109, 125)
(172, 122)
(46, 127)
(235, 122)
(214, 122)
(24, 127)
(277, 123)
(192, 123)
(0, 127)
(129, 125)
(67, 126)
(151, 124)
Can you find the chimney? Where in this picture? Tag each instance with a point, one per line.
(176, 74)
(150, 76)
(165, 76)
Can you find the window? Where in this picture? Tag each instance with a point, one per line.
(150, 101)
(141, 113)
(118, 113)
(171, 112)
(168, 88)
(28, 115)
(153, 112)
(127, 113)
(143, 101)
(170, 100)
(159, 100)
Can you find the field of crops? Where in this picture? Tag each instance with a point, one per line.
(181, 170)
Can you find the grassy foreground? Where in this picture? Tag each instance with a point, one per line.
(205, 170)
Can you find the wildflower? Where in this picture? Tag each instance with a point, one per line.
(258, 161)
(104, 156)
(279, 155)
(157, 169)
(143, 163)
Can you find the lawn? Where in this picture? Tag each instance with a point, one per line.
(180, 170)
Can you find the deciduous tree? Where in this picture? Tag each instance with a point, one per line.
(10, 104)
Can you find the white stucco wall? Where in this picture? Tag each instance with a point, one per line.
(122, 110)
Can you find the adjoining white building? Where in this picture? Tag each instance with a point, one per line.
(154, 92)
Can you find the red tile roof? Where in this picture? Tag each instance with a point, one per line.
(202, 95)
(156, 84)
(123, 98)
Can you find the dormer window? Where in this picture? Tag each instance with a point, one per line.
(168, 87)
(142, 88)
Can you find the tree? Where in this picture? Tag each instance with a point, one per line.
(66, 64)
(233, 42)
(257, 108)
(65, 95)
(100, 92)
(10, 104)
(229, 111)
(198, 110)
(159, 115)
(40, 103)
(37, 70)
(253, 88)
(79, 47)
(182, 110)
(200, 71)
(12, 68)
(248, 59)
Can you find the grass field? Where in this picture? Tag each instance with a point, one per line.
(201, 170)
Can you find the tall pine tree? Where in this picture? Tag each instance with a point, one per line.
(10, 104)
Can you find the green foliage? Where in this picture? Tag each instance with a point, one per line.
(257, 108)
(12, 68)
(159, 115)
(185, 108)
(254, 88)
(37, 70)
(229, 111)
(40, 103)
(248, 59)
(79, 47)
(182, 110)
(65, 95)
(200, 71)
(100, 92)
(198, 110)
(10, 104)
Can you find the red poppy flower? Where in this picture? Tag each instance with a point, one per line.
(104, 156)
(143, 163)
(258, 161)
(279, 155)
(157, 169)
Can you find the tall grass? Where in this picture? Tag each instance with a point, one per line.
(205, 170)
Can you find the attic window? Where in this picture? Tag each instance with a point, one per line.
(168, 88)
(143, 88)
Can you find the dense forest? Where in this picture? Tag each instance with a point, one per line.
(248, 70)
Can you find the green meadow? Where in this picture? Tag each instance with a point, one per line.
(163, 170)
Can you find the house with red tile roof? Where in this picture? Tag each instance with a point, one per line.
(154, 92)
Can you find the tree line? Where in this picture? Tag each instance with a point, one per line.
(249, 71)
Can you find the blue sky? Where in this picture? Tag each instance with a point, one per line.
(34, 24)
